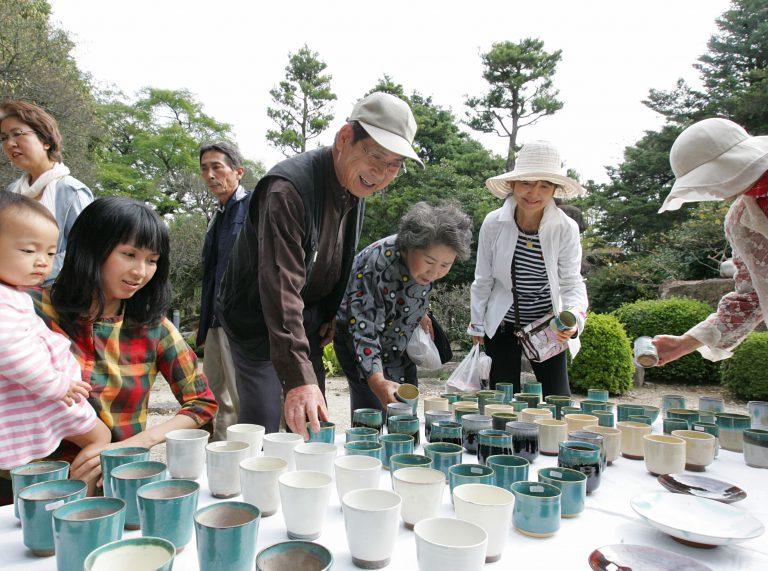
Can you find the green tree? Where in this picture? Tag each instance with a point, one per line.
(521, 90)
(301, 103)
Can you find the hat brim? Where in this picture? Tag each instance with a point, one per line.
(726, 176)
(568, 188)
(393, 143)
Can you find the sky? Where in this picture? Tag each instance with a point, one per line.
(230, 53)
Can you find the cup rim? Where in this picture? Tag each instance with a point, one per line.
(395, 437)
(693, 435)
(25, 491)
(664, 439)
(219, 446)
(117, 471)
(273, 463)
(307, 546)
(570, 444)
(363, 445)
(126, 542)
(461, 489)
(549, 488)
(518, 459)
(402, 474)
(114, 505)
(732, 416)
(341, 460)
(246, 428)
(310, 448)
(447, 448)
(579, 475)
(177, 435)
(408, 391)
(134, 451)
(55, 466)
(395, 500)
(286, 478)
(228, 504)
(442, 522)
(456, 467)
(580, 416)
(366, 430)
(280, 437)
(632, 424)
(194, 488)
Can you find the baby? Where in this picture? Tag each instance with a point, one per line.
(42, 394)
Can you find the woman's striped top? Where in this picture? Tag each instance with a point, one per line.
(533, 292)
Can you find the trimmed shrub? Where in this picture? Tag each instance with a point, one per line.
(745, 374)
(672, 316)
(605, 359)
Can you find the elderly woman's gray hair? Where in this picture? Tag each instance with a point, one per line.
(424, 225)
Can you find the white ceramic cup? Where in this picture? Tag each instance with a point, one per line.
(422, 493)
(253, 434)
(371, 519)
(317, 456)
(533, 414)
(355, 473)
(185, 452)
(664, 454)
(551, 434)
(444, 543)
(577, 421)
(699, 449)
(490, 507)
(436, 403)
(304, 496)
(223, 467)
(491, 409)
(281, 445)
(258, 480)
(632, 434)
(611, 441)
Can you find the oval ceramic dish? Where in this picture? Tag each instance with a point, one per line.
(641, 558)
(696, 522)
(702, 487)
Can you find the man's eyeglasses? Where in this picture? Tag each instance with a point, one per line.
(13, 135)
(397, 167)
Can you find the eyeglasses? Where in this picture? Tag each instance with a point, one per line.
(13, 135)
(375, 159)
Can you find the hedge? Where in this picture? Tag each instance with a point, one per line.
(745, 374)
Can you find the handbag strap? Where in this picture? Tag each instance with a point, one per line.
(514, 295)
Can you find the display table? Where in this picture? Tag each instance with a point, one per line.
(608, 519)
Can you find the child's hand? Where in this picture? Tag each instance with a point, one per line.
(78, 390)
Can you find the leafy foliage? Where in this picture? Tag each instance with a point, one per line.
(745, 374)
(187, 233)
(450, 306)
(331, 361)
(609, 286)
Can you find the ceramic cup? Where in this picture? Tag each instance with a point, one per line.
(405, 424)
(632, 439)
(508, 469)
(399, 461)
(593, 438)
(584, 457)
(651, 411)
(699, 449)
(34, 472)
(226, 535)
(471, 424)
(462, 408)
(167, 510)
(756, 447)
(222, 466)
(361, 433)
(451, 397)
(488, 507)
(597, 395)
(492, 442)
(447, 543)
(368, 418)
(671, 401)
(604, 418)
(134, 554)
(645, 352)
(421, 490)
(469, 474)
(518, 406)
(364, 448)
(491, 409)
(551, 434)
(436, 403)
(185, 452)
(443, 455)
(304, 498)
(640, 418)
(126, 481)
(399, 409)
(327, 432)
(709, 428)
(624, 411)
(758, 413)
(537, 508)
(732, 428)
(317, 456)
(499, 420)
(525, 439)
(533, 388)
(36, 505)
(672, 424)
(579, 421)
(507, 391)
(711, 404)
(432, 416)
(371, 519)
(532, 399)
(533, 414)
(664, 454)
(572, 485)
(355, 473)
(258, 481)
(566, 410)
(117, 457)
(484, 397)
(611, 441)
(408, 394)
(253, 434)
(281, 445)
(690, 416)
(446, 431)
(592, 406)
(285, 554)
(395, 444)
(81, 526)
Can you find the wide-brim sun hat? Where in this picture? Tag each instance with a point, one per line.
(714, 159)
(537, 160)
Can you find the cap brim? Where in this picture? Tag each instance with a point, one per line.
(569, 188)
(393, 143)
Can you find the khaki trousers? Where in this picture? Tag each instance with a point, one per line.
(218, 367)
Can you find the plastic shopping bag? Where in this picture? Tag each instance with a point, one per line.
(471, 372)
(423, 351)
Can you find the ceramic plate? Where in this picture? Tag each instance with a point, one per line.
(641, 558)
(702, 487)
(696, 521)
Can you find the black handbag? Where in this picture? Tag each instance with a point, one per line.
(441, 340)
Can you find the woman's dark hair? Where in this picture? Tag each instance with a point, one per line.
(101, 227)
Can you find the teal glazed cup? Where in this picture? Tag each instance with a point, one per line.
(36, 505)
(364, 448)
(469, 474)
(226, 535)
(408, 394)
(446, 431)
(507, 391)
(81, 526)
(483, 397)
(624, 411)
(499, 420)
(758, 413)
(597, 395)
(732, 428)
(546, 406)
(443, 455)
(641, 418)
(531, 398)
(568, 410)
(362, 433)
(285, 555)
(508, 469)
(432, 416)
(167, 509)
(327, 432)
(451, 397)
(126, 481)
(150, 553)
(590, 406)
(671, 424)
(711, 404)
(369, 418)
(398, 461)
(537, 508)
(593, 438)
(470, 398)
(604, 418)
(756, 447)
(395, 444)
(671, 401)
(651, 411)
(690, 416)
(518, 405)
(459, 412)
(34, 472)
(533, 388)
(492, 442)
(404, 424)
(584, 457)
(111, 459)
(572, 485)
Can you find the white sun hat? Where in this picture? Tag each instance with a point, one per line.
(537, 160)
(714, 159)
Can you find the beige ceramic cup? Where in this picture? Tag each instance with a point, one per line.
(699, 449)
(422, 492)
(304, 496)
(632, 438)
(579, 421)
(491, 409)
(258, 481)
(436, 403)
(489, 507)
(551, 433)
(534, 414)
(253, 434)
(664, 454)
(611, 441)
(464, 405)
(223, 467)
(281, 445)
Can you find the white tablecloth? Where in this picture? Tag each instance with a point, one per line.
(608, 519)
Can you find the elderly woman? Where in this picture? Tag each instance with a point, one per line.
(716, 159)
(387, 298)
(528, 266)
(32, 143)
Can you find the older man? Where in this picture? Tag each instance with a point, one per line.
(291, 263)
(221, 166)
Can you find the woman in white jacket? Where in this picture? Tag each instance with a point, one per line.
(530, 236)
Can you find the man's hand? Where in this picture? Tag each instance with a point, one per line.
(426, 325)
(672, 347)
(383, 389)
(327, 331)
(305, 403)
(78, 390)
